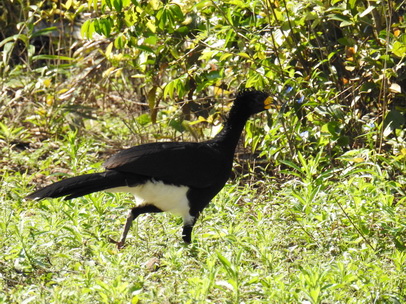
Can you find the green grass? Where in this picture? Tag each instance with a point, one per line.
(333, 236)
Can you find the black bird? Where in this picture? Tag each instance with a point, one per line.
(176, 177)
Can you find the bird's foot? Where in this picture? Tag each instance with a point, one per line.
(187, 239)
(119, 244)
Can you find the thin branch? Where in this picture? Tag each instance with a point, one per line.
(353, 224)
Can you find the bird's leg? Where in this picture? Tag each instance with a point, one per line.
(187, 234)
(188, 223)
(127, 227)
(132, 215)
(128, 223)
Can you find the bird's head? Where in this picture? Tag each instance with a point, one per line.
(253, 101)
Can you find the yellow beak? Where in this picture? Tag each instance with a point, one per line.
(268, 103)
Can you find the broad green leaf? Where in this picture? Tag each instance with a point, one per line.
(7, 48)
(393, 120)
(87, 29)
(345, 21)
(68, 4)
(331, 127)
(169, 89)
(151, 97)
(144, 119)
(352, 4)
(176, 11)
(93, 4)
(44, 31)
(120, 42)
(155, 4)
(244, 55)
(108, 3)
(399, 49)
(207, 55)
(145, 48)
(118, 5)
(109, 49)
(200, 5)
(347, 41)
(151, 40)
(151, 26)
(225, 56)
(103, 26)
(343, 141)
(31, 50)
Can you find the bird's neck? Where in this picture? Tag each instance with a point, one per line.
(229, 136)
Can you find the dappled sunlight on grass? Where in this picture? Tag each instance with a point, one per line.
(251, 244)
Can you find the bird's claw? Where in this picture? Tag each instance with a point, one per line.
(119, 244)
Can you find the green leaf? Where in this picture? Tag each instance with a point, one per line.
(177, 125)
(14, 38)
(151, 26)
(393, 120)
(226, 263)
(347, 41)
(291, 164)
(155, 4)
(207, 54)
(44, 31)
(87, 29)
(144, 119)
(103, 26)
(256, 80)
(200, 5)
(169, 89)
(225, 56)
(118, 5)
(52, 57)
(343, 141)
(176, 11)
(213, 75)
(367, 87)
(244, 55)
(151, 97)
(331, 127)
(367, 11)
(109, 50)
(31, 50)
(352, 4)
(151, 40)
(399, 49)
(345, 21)
(7, 50)
(108, 3)
(120, 42)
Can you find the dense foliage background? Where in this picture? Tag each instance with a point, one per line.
(316, 210)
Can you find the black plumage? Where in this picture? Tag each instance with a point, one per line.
(178, 177)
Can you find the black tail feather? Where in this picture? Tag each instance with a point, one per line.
(82, 185)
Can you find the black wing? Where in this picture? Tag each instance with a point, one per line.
(191, 164)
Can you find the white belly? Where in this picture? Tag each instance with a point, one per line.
(168, 198)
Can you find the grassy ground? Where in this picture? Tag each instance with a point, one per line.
(317, 237)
